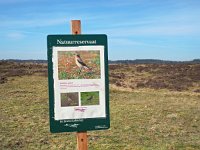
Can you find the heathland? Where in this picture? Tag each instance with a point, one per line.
(152, 106)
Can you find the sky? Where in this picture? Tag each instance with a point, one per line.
(136, 29)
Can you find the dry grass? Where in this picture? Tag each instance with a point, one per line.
(142, 119)
(153, 107)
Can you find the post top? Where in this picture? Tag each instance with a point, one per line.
(75, 26)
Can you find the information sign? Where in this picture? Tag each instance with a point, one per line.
(78, 83)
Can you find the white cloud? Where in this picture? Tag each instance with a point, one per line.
(151, 30)
(15, 35)
(17, 1)
(32, 22)
(12, 1)
(124, 41)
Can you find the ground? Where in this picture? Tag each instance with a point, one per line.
(174, 77)
(142, 118)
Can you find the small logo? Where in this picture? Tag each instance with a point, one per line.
(80, 109)
(72, 125)
(101, 127)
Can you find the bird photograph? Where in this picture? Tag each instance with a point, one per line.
(69, 99)
(90, 98)
(79, 65)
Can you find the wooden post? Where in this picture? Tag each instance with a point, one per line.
(82, 141)
(81, 136)
(76, 27)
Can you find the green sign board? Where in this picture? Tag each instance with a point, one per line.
(78, 83)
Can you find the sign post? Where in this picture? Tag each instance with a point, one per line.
(81, 136)
(78, 83)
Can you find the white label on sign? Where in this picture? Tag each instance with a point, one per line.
(79, 82)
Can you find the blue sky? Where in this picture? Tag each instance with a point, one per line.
(136, 29)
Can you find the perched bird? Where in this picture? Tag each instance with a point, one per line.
(66, 101)
(80, 63)
(69, 99)
(90, 98)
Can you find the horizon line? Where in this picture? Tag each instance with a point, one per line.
(108, 59)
